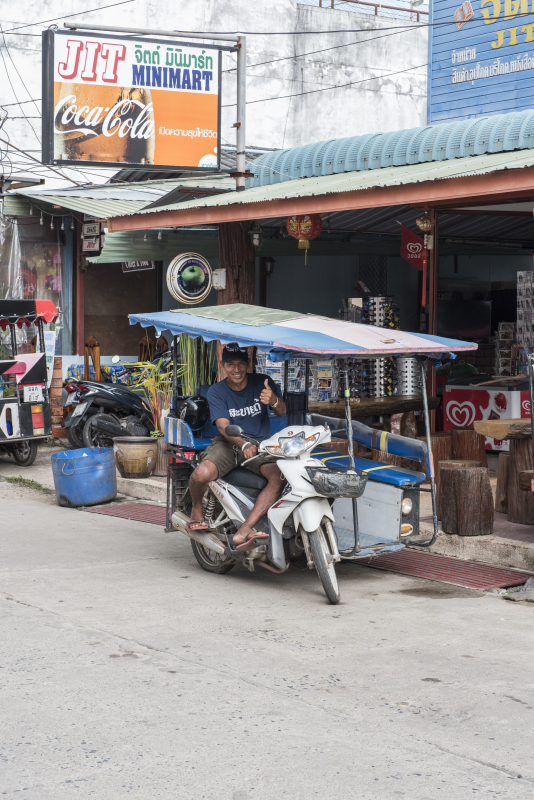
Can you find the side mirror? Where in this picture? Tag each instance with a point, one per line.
(115, 359)
(234, 430)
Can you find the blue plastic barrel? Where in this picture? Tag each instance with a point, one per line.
(84, 477)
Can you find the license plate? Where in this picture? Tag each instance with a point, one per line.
(78, 411)
(33, 394)
(71, 398)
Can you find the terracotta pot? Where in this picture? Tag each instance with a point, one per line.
(162, 458)
(135, 456)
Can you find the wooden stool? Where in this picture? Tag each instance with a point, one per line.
(92, 348)
(448, 464)
(467, 501)
(468, 444)
(501, 495)
(441, 451)
(520, 503)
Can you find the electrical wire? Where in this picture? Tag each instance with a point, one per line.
(329, 88)
(14, 92)
(325, 49)
(67, 16)
(20, 102)
(39, 162)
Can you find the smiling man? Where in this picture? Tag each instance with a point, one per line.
(242, 399)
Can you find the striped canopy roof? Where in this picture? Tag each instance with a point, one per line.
(281, 332)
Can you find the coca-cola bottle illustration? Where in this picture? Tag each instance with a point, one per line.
(103, 123)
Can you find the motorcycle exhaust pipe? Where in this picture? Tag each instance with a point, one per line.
(203, 538)
(110, 428)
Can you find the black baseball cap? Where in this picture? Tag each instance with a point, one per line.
(233, 351)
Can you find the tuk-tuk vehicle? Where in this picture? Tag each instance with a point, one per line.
(334, 507)
(25, 416)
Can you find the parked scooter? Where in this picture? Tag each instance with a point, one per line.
(102, 411)
(299, 522)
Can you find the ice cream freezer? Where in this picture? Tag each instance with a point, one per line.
(463, 404)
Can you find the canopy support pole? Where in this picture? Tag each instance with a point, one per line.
(42, 348)
(348, 417)
(430, 457)
(199, 356)
(13, 339)
(174, 371)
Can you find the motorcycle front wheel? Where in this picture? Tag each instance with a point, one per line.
(210, 560)
(324, 564)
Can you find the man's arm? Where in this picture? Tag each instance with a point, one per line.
(237, 441)
(268, 397)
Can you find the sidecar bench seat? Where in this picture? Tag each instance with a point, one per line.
(383, 473)
(245, 479)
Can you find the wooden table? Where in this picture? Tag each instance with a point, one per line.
(520, 504)
(374, 406)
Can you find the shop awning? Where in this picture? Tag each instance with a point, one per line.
(111, 199)
(497, 176)
(26, 312)
(132, 245)
(273, 330)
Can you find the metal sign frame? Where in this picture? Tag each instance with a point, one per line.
(48, 103)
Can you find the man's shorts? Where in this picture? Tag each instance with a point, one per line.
(225, 457)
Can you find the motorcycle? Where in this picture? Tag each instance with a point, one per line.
(102, 411)
(300, 522)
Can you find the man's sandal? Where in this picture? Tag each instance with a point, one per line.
(196, 525)
(252, 541)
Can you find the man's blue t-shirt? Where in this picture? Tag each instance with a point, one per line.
(243, 408)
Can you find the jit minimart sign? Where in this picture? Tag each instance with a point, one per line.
(116, 100)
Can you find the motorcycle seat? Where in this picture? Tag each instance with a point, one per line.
(245, 479)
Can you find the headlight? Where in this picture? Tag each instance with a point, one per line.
(407, 505)
(293, 446)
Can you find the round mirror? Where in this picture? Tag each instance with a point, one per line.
(115, 359)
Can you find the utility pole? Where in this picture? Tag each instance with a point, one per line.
(241, 50)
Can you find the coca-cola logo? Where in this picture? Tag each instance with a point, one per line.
(414, 247)
(127, 117)
(461, 414)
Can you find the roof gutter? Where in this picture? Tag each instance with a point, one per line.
(503, 185)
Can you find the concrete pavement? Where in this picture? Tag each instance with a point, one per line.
(127, 671)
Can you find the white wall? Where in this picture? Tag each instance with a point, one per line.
(387, 103)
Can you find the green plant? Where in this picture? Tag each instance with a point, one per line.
(188, 357)
(27, 483)
(158, 391)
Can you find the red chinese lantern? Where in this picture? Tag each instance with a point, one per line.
(304, 227)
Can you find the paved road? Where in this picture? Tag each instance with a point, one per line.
(129, 672)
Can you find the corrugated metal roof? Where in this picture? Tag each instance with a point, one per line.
(451, 140)
(110, 200)
(358, 181)
(133, 246)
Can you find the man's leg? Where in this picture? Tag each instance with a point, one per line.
(266, 498)
(198, 483)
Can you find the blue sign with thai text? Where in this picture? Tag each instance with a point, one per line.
(481, 58)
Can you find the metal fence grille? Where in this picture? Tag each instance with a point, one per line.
(373, 272)
(401, 9)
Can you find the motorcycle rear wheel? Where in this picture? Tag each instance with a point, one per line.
(25, 453)
(324, 564)
(211, 561)
(75, 435)
(95, 438)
